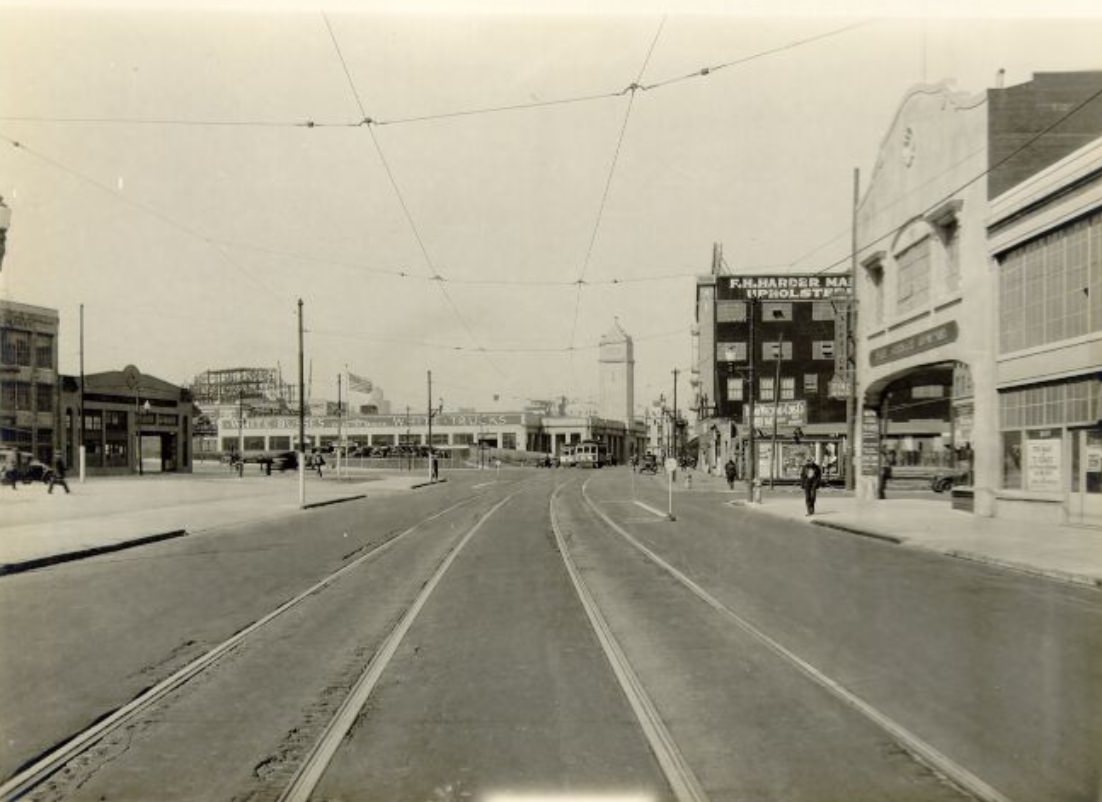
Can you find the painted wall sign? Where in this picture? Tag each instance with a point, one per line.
(789, 413)
(789, 287)
(915, 344)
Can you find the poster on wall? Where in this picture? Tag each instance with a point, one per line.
(1043, 458)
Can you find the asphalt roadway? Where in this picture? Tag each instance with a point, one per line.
(723, 656)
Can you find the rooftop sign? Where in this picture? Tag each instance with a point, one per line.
(813, 287)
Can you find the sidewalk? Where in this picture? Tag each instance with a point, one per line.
(1066, 553)
(110, 513)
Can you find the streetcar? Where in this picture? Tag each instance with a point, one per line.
(591, 454)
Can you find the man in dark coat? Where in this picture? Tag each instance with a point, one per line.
(58, 475)
(810, 479)
(730, 469)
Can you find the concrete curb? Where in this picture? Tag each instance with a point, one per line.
(327, 502)
(427, 484)
(80, 554)
(853, 530)
(1051, 574)
(1022, 568)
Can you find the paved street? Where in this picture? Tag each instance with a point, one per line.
(776, 660)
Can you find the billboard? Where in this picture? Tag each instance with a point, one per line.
(791, 287)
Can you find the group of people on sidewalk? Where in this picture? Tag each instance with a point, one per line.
(811, 479)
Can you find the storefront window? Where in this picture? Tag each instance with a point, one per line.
(509, 441)
(1012, 460)
(279, 443)
(254, 443)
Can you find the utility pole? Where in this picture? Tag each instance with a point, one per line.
(851, 343)
(340, 434)
(674, 436)
(80, 428)
(240, 432)
(407, 441)
(430, 426)
(773, 460)
(751, 447)
(301, 416)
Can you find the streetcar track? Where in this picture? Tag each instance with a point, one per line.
(919, 749)
(312, 769)
(37, 770)
(680, 776)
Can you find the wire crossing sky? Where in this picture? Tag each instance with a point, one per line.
(479, 195)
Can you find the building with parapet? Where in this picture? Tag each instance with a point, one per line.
(977, 345)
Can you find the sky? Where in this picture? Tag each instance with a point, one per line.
(188, 173)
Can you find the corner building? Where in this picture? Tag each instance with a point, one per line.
(959, 368)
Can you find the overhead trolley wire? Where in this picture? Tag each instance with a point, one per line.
(217, 246)
(978, 177)
(445, 115)
(608, 181)
(433, 272)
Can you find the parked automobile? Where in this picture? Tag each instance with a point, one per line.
(649, 464)
(945, 482)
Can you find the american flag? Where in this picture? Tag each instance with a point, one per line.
(359, 384)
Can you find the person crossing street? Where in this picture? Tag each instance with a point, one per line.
(810, 479)
(57, 477)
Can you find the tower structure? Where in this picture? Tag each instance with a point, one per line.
(616, 376)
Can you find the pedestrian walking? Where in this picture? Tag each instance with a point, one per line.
(11, 470)
(319, 463)
(810, 479)
(434, 466)
(729, 470)
(58, 476)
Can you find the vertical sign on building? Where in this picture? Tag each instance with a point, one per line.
(870, 442)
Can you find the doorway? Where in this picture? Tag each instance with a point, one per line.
(1085, 499)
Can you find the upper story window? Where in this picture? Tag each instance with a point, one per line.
(44, 350)
(825, 310)
(776, 312)
(822, 349)
(731, 352)
(945, 223)
(730, 311)
(874, 275)
(1050, 289)
(769, 350)
(15, 346)
(913, 284)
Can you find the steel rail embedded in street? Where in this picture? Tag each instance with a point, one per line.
(683, 782)
(313, 768)
(917, 747)
(27, 779)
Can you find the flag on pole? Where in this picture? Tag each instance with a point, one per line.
(359, 384)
